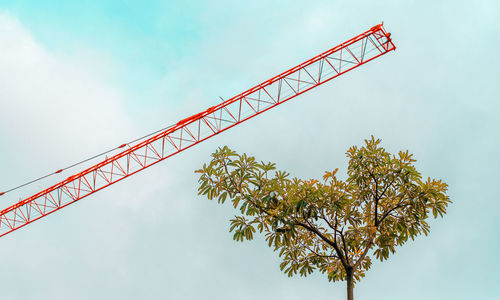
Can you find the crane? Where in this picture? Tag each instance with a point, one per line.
(150, 150)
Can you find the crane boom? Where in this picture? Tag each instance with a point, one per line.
(190, 131)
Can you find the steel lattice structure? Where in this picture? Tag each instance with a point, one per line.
(188, 132)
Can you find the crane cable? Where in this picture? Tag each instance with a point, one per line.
(84, 161)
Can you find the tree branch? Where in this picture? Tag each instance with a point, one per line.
(316, 253)
(392, 209)
(365, 252)
(376, 197)
(377, 221)
(327, 222)
(345, 246)
(325, 239)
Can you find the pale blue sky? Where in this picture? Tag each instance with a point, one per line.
(79, 77)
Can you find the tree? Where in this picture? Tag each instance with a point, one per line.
(333, 226)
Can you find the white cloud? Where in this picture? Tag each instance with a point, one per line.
(56, 109)
(151, 235)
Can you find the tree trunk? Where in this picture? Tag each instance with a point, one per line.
(350, 283)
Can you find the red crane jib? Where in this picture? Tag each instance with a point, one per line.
(190, 131)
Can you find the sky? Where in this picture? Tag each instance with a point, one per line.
(80, 77)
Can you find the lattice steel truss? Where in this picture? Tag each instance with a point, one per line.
(190, 131)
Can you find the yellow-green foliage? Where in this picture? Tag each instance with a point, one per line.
(330, 225)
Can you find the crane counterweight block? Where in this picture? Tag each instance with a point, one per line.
(190, 131)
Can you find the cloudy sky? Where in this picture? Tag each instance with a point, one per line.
(79, 77)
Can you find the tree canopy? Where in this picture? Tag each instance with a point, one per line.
(330, 225)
